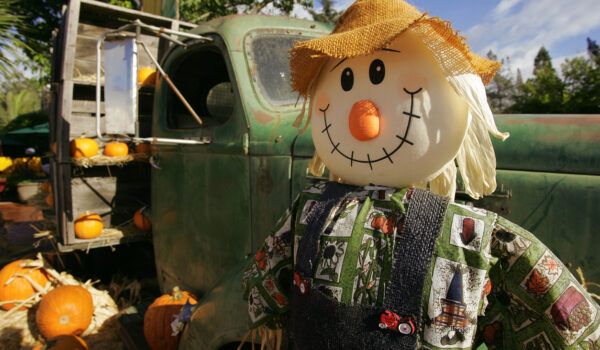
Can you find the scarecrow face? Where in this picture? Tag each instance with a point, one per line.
(389, 118)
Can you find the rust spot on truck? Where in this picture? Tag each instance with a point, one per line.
(261, 117)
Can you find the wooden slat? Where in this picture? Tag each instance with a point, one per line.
(84, 125)
(62, 198)
(97, 7)
(82, 106)
(85, 54)
(84, 199)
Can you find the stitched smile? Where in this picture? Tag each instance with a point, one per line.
(387, 155)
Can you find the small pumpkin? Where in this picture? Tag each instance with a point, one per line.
(142, 148)
(83, 148)
(147, 76)
(158, 318)
(65, 310)
(46, 186)
(141, 220)
(50, 200)
(19, 288)
(63, 342)
(88, 225)
(116, 149)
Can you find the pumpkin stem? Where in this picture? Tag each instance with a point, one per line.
(176, 293)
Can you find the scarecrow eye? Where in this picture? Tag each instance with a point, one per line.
(376, 72)
(347, 79)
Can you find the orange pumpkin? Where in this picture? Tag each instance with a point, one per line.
(50, 200)
(88, 225)
(65, 310)
(83, 148)
(141, 221)
(116, 149)
(19, 288)
(63, 342)
(147, 76)
(158, 318)
(142, 148)
(46, 186)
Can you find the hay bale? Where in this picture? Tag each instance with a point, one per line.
(102, 160)
(19, 329)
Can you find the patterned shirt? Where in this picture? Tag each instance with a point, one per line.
(489, 281)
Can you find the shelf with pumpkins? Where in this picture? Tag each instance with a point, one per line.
(105, 179)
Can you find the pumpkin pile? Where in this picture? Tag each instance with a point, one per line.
(83, 148)
(64, 308)
(63, 342)
(147, 76)
(158, 318)
(116, 149)
(19, 283)
(141, 219)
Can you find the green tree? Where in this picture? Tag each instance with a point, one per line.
(502, 90)
(593, 48)
(43, 18)
(327, 14)
(10, 26)
(18, 95)
(543, 93)
(582, 85)
(198, 11)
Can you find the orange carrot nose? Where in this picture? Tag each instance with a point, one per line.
(364, 120)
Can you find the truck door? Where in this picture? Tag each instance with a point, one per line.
(200, 204)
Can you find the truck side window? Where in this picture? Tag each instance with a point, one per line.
(202, 78)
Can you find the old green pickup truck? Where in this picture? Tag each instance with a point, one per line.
(215, 200)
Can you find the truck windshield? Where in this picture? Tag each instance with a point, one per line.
(269, 54)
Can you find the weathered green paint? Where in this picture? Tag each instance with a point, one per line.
(270, 194)
(214, 204)
(551, 143)
(221, 319)
(224, 195)
(561, 209)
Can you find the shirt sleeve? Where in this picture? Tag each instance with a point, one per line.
(535, 302)
(268, 276)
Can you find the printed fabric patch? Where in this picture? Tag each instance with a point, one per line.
(538, 342)
(384, 221)
(257, 305)
(308, 206)
(467, 232)
(343, 221)
(510, 245)
(454, 298)
(571, 314)
(543, 276)
(331, 260)
(521, 314)
(369, 266)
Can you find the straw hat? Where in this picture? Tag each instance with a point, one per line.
(369, 25)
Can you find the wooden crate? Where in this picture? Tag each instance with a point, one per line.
(73, 115)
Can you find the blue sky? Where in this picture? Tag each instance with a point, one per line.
(518, 28)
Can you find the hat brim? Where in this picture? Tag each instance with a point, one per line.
(447, 46)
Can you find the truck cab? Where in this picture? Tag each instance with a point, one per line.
(215, 202)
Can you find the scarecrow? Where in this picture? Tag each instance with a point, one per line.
(373, 260)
